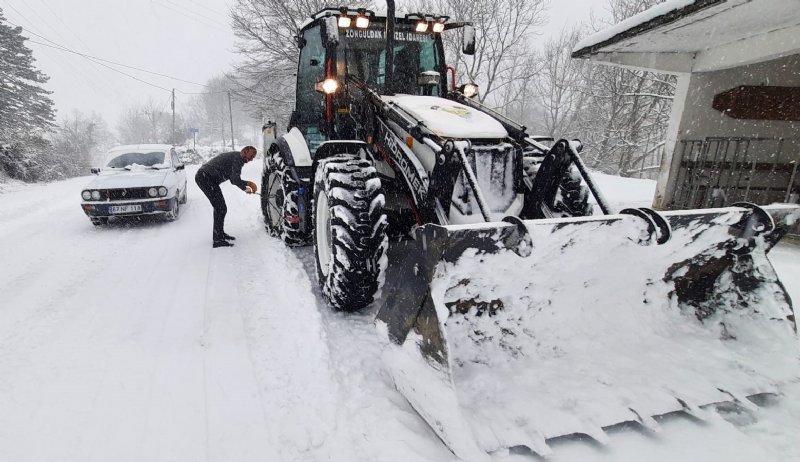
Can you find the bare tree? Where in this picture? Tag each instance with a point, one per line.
(624, 112)
(265, 32)
(556, 88)
(503, 59)
(150, 122)
(77, 144)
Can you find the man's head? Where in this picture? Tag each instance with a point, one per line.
(249, 153)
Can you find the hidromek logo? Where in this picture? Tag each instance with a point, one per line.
(401, 160)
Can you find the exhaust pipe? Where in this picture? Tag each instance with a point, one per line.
(389, 73)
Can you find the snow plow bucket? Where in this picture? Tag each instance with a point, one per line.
(507, 335)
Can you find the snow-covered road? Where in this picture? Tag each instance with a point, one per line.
(138, 342)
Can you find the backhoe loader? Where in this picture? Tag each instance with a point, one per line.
(522, 307)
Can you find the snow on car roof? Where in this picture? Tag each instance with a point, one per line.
(141, 147)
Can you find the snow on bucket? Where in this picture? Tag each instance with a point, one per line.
(507, 335)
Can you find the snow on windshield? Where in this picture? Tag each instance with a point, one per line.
(147, 159)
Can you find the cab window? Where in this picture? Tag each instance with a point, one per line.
(310, 103)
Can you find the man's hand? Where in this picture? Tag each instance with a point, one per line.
(250, 188)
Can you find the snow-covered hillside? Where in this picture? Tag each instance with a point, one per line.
(138, 342)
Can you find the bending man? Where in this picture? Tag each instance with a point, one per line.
(226, 166)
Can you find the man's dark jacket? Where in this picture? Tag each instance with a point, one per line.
(226, 166)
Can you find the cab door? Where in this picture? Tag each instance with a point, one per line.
(309, 113)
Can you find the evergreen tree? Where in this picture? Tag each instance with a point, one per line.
(26, 110)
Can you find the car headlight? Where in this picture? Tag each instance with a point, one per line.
(162, 191)
(96, 195)
(152, 192)
(86, 195)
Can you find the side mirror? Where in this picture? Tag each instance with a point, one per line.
(95, 170)
(468, 44)
(330, 32)
(180, 167)
(429, 79)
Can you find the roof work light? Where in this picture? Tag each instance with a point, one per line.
(362, 22)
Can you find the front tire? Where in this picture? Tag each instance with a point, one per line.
(279, 193)
(349, 232)
(175, 212)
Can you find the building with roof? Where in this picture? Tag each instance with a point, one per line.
(734, 131)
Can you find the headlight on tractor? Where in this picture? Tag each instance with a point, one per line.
(152, 192)
(469, 90)
(344, 22)
(327, 86)
(162, 191)
(96, 195)
(86, 195)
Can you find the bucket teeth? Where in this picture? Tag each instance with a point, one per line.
(693, 409)
(539, 445)
(741, 400)
(597, 433)
(646, 421)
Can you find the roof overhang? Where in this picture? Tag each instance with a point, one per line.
(699, 35)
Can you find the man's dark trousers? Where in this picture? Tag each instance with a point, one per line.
(211, 189)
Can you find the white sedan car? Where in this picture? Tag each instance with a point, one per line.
(144, 179)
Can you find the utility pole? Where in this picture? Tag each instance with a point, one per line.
(222, 121)
(173, 117)
(230, 111)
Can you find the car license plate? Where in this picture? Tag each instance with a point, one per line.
(126, 208)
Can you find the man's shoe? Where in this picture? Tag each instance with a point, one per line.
(228, 237)
(222, 243)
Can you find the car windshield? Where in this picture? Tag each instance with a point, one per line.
(147, 159)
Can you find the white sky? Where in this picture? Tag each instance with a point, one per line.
(188, 39)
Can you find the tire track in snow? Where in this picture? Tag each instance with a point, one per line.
(287, 345)
(378, 422)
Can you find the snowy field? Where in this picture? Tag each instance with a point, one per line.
(138, 342)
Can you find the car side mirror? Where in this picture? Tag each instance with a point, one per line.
(180, 167)
(468, 44)
(95, 170)
(330, 32)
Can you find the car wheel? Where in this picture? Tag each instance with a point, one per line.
(175, 212)
(183, 197)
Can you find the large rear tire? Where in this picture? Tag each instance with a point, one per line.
(349, 232)
(279, 202)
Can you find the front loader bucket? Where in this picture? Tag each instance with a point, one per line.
(505, 335)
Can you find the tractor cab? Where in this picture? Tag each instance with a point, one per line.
(344, 49)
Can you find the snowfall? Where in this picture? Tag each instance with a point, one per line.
(139, 342)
